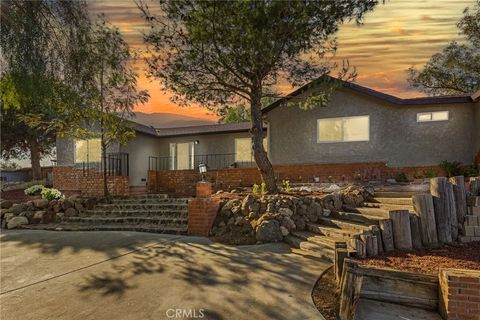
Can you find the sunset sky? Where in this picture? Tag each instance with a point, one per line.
(395, 36)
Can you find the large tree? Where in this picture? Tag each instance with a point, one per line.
(37, 84)
(217, 53)
(112, 83)
(456, 69)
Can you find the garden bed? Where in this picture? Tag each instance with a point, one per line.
(429, 261)
(325, 295)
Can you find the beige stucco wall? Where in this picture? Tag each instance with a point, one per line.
(395, 136)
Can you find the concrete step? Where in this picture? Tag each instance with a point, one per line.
(343, 224)
(396, 194)
(388, 206)
(327, 242)
(403, 201)
(344, 234)
(142, 206)
(126, 220)
(134, 213)
(117, 227)
(150, 201)
(356, 217)
(312, 248)
(144, 196)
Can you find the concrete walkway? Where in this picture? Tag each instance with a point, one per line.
(128, 275)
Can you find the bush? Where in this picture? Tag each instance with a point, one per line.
(452, 169)
(34, 190)
(402, 177)
(51, 194)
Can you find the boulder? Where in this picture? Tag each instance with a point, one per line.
(288, 223)
(19, 208)
(9, 215)
(78, 206)
(284, 231)
(90, 203)
(38, 216)
(56, 207)
(6, 204)
(300, 223)
(40, 203)
(287, 212)
(59, 215)
(269, 231)
(27, 214)
(66, 204)
(70, 212)
(16, 222)
(247, 201)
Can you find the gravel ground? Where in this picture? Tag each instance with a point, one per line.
(458, 256)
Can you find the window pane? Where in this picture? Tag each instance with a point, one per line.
(439, 116)
(356, 129)
(424, 116)
(94, 150)
(330, 130)
(243, 150)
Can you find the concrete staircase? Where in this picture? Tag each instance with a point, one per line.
(143, 212)
(340, 228)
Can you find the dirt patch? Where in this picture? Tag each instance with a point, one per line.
(458, 256)
(326, 296)
(234, 239)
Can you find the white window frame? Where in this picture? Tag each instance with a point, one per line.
(431, 113)
(265, 146)
(342, 140)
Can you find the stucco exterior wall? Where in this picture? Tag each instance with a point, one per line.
(395, 136)
(139, 149)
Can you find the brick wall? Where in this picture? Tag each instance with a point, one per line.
(459, 294)
(88, 183)
(183, 181)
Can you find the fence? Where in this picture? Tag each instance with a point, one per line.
(213, 161)
(117, 164)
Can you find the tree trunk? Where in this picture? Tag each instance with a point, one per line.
(259, 153)
(104, 160)
(35, 160)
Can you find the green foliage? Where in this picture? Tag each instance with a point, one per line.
(430, 173)
(34, 190)
(402, 177)
(472, 171)
(263, 187)
(51, 194)
(286, 185)
(452, 168)
(454, 70)
(234, 114)
(255, 188)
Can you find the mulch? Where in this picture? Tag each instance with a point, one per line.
(325, 295)
(429, 261)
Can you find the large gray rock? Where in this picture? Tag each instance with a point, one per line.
(27, 214)
(16, 222)
(70, 212)
(66, 203)
(19, 208)
(40, 203)
(38, 216)
(269, 231)
(6, 204)
(246, 203)
(287, 212)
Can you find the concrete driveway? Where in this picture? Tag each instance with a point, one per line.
(128, 275)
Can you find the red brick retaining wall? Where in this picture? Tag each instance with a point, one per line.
(202, 210)
(88, 183)
(459, 294)
(183, 181)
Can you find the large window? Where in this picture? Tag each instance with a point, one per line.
(432, 116)
(343, 129)
(244, 151)
(88, 150)
(182, 156)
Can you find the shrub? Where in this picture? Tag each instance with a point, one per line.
(34, 190)
(255, 188)
(453, 168)
(51, 194)
(286, 185)
(263, 187)
(401, 177)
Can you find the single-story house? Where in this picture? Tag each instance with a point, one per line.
(359, 125)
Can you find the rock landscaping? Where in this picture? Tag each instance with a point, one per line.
(42, 211)
(270, 218)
